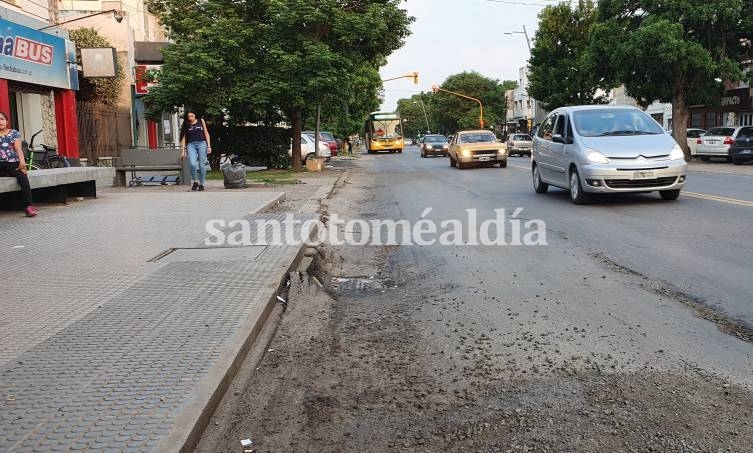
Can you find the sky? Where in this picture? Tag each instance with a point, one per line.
(452, 36)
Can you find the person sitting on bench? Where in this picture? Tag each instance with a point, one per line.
(13, 161)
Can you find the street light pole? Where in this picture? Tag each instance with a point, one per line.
(118, 15)
(428, 131)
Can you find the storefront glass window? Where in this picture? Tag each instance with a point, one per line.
(745, 119)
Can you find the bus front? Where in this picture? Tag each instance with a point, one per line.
(385, 133)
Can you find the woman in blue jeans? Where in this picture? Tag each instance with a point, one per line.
(194, 140)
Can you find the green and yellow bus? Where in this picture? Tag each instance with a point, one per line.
(384, 132)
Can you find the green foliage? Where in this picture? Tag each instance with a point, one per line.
(678, 51)
(257, 145)
(99, 90)
(450, 112)
(248, 60)
(412, 113)
(562, 66)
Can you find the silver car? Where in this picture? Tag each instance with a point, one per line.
(606, 149)
(717, 142)
(519, 144)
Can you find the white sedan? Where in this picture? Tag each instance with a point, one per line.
(307, 148)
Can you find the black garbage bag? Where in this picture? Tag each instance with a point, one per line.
(234, 175)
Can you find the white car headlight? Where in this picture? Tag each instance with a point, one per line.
(676, 153)
(429, 147)
(596, 157)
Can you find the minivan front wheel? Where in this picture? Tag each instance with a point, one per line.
(577, 196)
(669, 194)
(538, 185)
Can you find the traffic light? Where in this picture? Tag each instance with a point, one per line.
(482, 122)
(415, 78)
(434, 88)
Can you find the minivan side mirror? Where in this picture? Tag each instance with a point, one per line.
(557, 138)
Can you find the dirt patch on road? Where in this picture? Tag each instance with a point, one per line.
(350, 370)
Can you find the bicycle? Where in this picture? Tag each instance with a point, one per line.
(50, 158)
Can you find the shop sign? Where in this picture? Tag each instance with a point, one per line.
(28, 55)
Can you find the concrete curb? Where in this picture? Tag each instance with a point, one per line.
(189, 426)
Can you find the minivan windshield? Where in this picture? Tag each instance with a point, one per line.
(476, 138)
(435, 138)
(603, 123)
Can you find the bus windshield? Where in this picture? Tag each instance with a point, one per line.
(385, 125)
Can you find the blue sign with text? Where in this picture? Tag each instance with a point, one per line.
(30, 56)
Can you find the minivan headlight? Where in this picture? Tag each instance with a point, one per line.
(596, 157)
(676, 153)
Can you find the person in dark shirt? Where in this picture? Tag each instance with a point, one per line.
(195, 142)
(13, 161)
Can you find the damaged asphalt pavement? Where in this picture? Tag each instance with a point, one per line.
(623, 337)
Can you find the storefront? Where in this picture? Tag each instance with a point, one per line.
(735, 109)
(38, 82)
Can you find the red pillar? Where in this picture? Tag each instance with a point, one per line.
(5, 100)
(151, 134)
(66, 120)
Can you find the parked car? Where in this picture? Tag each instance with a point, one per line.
(327, 137)
(519, 144)
(692, 139)
(477, 147)
(742, 150)
(717, 142)
(307, 148)
(434, 144)
(606, 149)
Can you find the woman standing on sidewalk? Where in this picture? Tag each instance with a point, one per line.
(194, 139)
(13, 161)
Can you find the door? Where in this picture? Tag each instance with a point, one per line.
(559, 151)
(542, 149)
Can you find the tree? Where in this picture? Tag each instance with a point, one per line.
(206, 67)
(283, 56)
(319, 52)
(451, 112)
(415, 116)
(673, 50)
(99, 90)
(562, 66)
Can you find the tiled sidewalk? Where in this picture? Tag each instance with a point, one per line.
(102, 349)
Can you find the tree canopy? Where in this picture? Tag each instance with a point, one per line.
(450, 112)
(679, 51)
(562, 66)
(248, 59)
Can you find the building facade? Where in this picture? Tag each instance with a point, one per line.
(38, 78)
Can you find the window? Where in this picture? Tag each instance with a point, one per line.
(560, 127)
(605, 122)
(711, 120)
(695, 120)
(745, 119)
(547, 127)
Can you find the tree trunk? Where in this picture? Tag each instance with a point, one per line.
(296, 121)
(680, 116)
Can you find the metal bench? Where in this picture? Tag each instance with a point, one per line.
(53, 185)
(133, 160)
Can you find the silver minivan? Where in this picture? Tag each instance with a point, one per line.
(606, 149)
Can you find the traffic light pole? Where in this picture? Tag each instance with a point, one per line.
(412, 75)
(480, 105)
